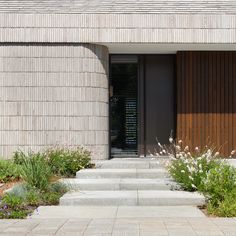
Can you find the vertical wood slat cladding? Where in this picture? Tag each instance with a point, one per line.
(206, 99)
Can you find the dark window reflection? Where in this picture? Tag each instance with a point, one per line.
(123, 108)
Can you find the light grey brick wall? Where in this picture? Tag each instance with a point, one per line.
(53, 94)
(118, 6)
(119, 28)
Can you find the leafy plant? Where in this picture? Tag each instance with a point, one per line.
(6, 213)
(53, 193)
(66, 162)
(220, 182)
(191, 172)
(51, 198)
(58, 187)
(33, 197)
(223, 208)
(189, 169)
(12, 200)
(23, 199)
(35, 170)
(203, 170)
(18, 214)
(12, 207)
(220, 188)
(9, 171)
(18, 157)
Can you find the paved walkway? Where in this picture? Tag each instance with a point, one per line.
(120, 227)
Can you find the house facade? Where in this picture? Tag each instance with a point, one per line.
(115, 76)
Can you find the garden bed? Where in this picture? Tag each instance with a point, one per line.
(33, 179)
(204, 171)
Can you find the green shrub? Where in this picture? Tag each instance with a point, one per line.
(191, 171)
(13, 214)
(54, 192)
(13, 207)
(58, 187)
(205, 172)
(35, 171)
(223, 208)
(51, 198)
(18, 214)
(220, 182)
(220, 188)
(18, 157)
(12, 200)
(33, 197)
(23, 199)
(66, 162)
(9, 171)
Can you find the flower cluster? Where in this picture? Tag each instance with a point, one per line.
(189, 168)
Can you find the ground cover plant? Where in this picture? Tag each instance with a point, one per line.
(203, 171)
(66, 161)
(63, 161)
(39, 184)
(9, 171)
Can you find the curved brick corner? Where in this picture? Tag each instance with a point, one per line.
(54, 94)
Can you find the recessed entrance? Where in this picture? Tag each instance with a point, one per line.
(124, 106)
(142, 107)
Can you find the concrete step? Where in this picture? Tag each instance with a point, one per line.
(132, 198)
(129, 163)
(120, 184)
(121, 173)
(101, 212)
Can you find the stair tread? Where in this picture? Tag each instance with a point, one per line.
(122, 170)
(111, 180)
(141, 193)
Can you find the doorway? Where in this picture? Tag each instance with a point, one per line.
(124, 106)
(142, 103)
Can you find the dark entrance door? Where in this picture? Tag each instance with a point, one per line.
(159, 100)
(124, 106)
(142, 108)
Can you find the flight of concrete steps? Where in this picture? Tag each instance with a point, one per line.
(127, 182)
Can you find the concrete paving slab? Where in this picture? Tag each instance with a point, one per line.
(101, 198)
(170, 198)
(152, 173)
(181, 232)
(128, 212)
(92, 184)
(136, 163)
(159, 211)
(119, 184)
(14, 234)
(209, 233)
(123, 164)
(65, 233)
(64, 212)
(123, 226)
(154, 233)
(146, 184)
(106, 173)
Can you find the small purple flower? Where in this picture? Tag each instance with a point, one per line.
(5, 207)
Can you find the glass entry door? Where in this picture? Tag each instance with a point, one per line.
(124, 106)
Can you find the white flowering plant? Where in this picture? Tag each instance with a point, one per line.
(188, 168)
(204, 171)
(220, 190)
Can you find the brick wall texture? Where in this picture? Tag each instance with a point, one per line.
(53, 94)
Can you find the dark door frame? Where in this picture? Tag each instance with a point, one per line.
(142, 152)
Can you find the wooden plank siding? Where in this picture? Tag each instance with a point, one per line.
(206, 99)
